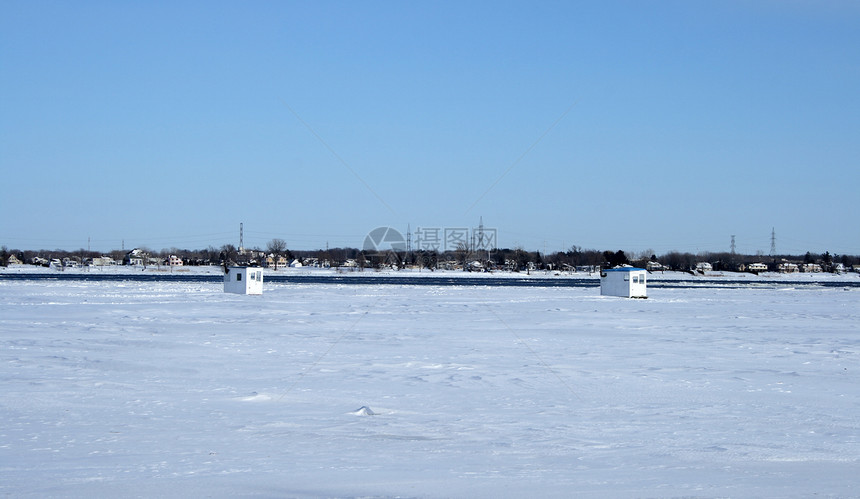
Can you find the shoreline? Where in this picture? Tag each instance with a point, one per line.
(212, 270)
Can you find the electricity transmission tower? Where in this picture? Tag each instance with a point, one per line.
(773, 241)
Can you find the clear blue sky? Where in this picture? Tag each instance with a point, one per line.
(608, 125)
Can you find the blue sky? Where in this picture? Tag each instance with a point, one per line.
(609, 125)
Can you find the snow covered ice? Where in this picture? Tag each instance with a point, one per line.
(177, 389)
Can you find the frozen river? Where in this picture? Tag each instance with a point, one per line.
(176, 389)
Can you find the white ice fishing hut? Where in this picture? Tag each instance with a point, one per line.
(628, 282)
(243, 280)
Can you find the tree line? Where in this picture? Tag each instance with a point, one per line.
(513, 259)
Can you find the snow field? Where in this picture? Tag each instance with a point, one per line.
(178, 389)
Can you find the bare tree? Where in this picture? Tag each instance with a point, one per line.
(228, 254)
(462, 254)
(276, 246)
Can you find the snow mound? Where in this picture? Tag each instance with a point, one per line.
(256, 397)
(364, 411)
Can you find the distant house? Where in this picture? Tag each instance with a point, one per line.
(101, 261)
(652, 266)
(704, 267)
(810, 267)
(174, 261)
(275, 262)
(13, 260)
(295, 263)
(757, 267)
(450, 265)
(134, 257)
(788, 267)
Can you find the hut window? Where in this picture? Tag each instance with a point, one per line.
(626, 277)
(238, 277)
(636, 279)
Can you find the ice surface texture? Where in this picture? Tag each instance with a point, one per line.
(178, 389)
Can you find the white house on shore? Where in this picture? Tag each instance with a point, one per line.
(243, 280)
(811, 267)
(652, 266)
(628, 282)
(757, 267)
(102, 261)
(703, 267)
(788, 267)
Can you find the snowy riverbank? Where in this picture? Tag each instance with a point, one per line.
(453, 274)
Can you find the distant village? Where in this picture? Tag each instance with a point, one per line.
(276, 256)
